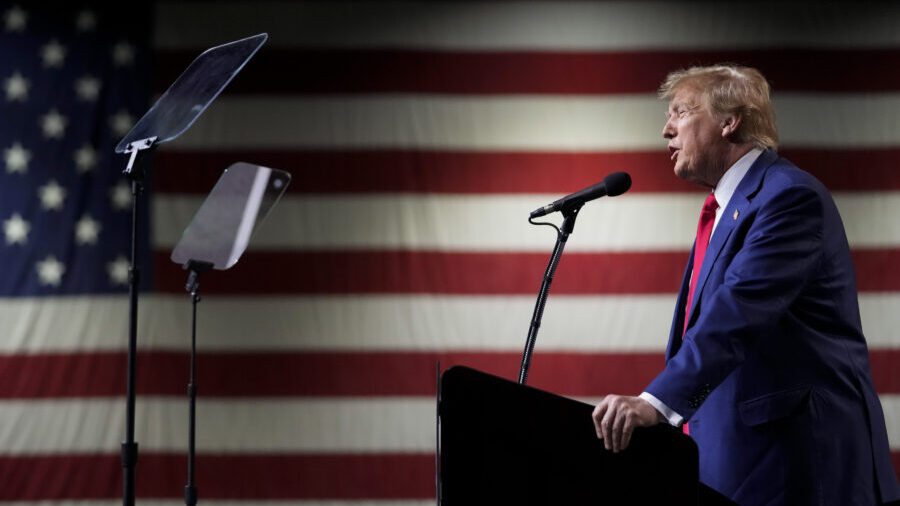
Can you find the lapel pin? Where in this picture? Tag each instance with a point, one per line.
(735, 215)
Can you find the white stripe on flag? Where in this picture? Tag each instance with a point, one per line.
(259, 425)
(492, 222)
(358, 425)
(526, 123)
(342, 323)
(497, 222)
(609, 25)
(369, 323)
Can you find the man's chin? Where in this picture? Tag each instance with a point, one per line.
(685, 173)
(682, 172)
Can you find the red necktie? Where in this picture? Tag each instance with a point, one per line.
(704, 231)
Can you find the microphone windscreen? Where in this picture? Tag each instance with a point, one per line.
(617, 183)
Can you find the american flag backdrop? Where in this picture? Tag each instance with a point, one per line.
(419, 136)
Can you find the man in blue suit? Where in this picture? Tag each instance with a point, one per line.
(766, 364)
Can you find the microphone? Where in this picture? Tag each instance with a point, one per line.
(614, 184)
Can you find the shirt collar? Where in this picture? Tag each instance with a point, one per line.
(733, 176)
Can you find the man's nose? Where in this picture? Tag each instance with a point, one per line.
(668, 130)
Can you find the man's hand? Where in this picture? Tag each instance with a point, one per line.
(616, 417)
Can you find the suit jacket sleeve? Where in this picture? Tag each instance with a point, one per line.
(765, 264)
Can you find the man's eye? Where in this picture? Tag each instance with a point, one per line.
(677, 113)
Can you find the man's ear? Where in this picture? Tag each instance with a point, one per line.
(730, 124)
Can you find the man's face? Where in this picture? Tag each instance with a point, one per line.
(696, 141)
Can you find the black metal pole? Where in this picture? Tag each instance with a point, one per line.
(129, 452)
(129, 446)
(190, 490)
(193, 287)
(562, 236)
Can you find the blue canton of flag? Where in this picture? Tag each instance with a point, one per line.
(73, 80)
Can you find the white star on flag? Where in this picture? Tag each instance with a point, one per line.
(123, 54)
(17, 158)
(121, 122)
(118, 270)
(50, 271)
(53, 124)
(52, 196)
(53, 54)
(86, 21)
(87, 230)
(120, 196)
(16, 229)
(16, 88)
(15, 19)
(85, 158)
(87, 88)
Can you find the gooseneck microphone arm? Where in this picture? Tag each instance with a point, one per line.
(612, 185)
(562, 235)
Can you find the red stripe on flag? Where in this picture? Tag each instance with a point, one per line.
(259, 477)
(363, 272)
(885, 370)
(256, 477)
(407, 171)
(876, 269)
(314, 374)
(337, 374)
(515, 72)
(332, 272)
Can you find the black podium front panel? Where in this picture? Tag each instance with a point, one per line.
(503, 443)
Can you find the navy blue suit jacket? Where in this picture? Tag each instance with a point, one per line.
(773, 371)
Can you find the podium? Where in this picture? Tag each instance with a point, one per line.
(505, 443)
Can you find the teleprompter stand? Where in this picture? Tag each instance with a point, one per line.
(175, 111)
(195, 267)
(215, 239)
(135, 171)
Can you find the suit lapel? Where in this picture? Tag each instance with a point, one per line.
(676, 334)
(732, 214)
(716, 242)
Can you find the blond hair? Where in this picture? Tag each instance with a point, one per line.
(730, 89)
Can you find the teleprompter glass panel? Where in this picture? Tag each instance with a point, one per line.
(193, 91)
(221, 230)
